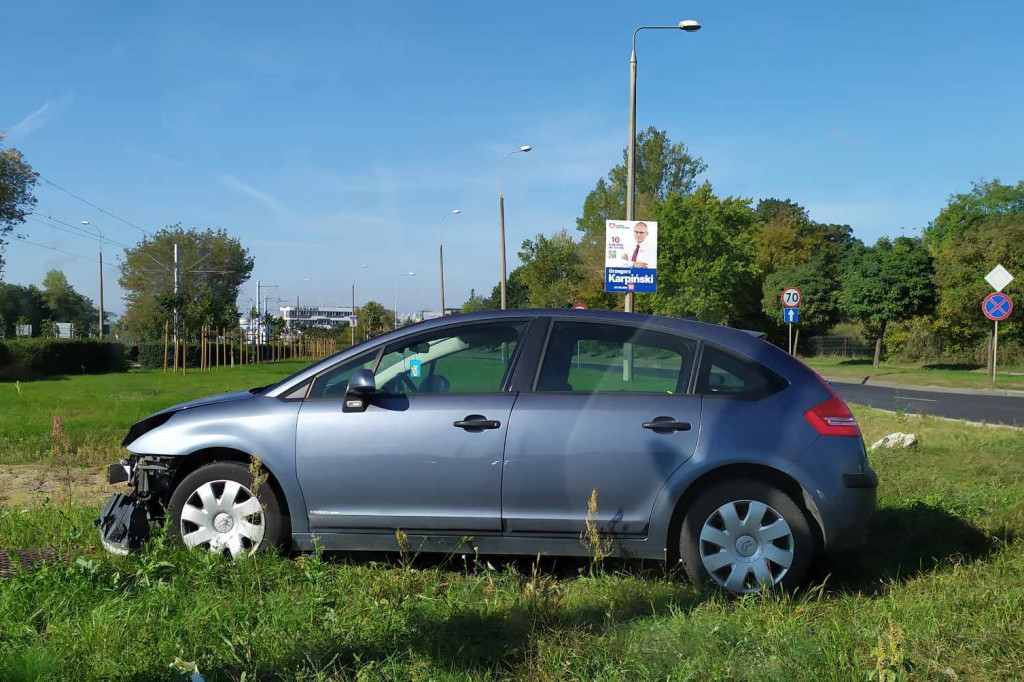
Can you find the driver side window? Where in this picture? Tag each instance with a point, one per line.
(468, 359)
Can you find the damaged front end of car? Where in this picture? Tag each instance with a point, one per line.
(126, 519)
(125, 522)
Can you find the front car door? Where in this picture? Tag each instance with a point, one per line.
(426, 454)
(611, 413)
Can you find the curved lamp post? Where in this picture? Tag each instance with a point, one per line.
(690, 26)
(440, 252)
(501, 211)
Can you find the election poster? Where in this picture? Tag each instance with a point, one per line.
(631, 256)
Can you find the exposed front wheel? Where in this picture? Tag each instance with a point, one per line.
(213, 508)
(746, 537)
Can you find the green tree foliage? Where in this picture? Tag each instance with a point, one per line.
(476, 303)
(552, 270)
(213, 266)
(888, 282)
(17, 179)
(22, 305)
(820, 308)
(961, 263)
(374, 320)
(515, 292)
(965, 211)
(64, 304)
(705, 266)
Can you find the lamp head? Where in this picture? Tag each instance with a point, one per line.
(689, 25)
(457, 211)
(525, 148)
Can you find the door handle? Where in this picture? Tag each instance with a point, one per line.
(667, 424)
(477, 421)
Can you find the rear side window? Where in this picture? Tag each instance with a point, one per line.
(589, 357)
(725, 374)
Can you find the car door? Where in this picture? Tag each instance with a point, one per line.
(611, 412)
(426, 454)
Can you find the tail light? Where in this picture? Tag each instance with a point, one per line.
(833, 418)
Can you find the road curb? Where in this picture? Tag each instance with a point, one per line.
(866, 381)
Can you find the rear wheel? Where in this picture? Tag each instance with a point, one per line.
(746, 537)
(213, 508)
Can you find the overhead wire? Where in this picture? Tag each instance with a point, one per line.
(53, 248)
(89, 203)
(84, 232)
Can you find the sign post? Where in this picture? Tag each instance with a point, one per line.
(997, 306)
(791, 298)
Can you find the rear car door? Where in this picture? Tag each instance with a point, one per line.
(611, 412)
(426, 454)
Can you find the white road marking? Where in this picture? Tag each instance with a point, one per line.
(923, 400)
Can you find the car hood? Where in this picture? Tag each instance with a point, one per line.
(210, 400)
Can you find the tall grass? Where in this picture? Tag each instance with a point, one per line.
(936, 595)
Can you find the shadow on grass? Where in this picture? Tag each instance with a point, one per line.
(905, 542)
(856, 362)
(963, 366)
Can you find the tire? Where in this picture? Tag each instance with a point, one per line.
(212, 522)
(720, 544)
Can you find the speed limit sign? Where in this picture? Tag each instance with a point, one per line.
(791, 297)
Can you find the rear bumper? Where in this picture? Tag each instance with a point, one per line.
(841, 488)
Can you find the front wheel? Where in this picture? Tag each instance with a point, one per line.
(746, 537)
(213, 508)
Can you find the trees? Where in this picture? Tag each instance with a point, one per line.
(552, 270)
(968, 210)
(213, 267)
(374, 320)
(888, 282)
(705, 267)
(476, 303)
(22, 305)
(16, 199)
(64, 304)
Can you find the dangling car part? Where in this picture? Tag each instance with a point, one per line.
(125, 521)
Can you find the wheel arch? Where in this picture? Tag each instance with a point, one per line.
(759, 472)
(202, 457)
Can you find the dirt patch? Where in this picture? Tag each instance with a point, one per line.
(25, 486)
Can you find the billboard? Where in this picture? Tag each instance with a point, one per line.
(631, 256)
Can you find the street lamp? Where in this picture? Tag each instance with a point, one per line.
(501, 211)
(690, 26)
(440, 252)
(401, 274)
(100, 234)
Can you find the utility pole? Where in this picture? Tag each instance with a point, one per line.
(352, 327)
(501, 212)
(100, 234)
(177, 278)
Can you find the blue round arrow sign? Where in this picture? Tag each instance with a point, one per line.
(997, 306)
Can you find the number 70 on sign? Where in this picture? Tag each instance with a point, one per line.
(791, 297)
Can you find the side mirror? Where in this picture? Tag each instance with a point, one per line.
(359, 387)
(362, 382)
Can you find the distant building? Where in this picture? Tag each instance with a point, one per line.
(432, 314)
(319, 316)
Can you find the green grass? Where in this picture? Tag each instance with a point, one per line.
(98, 409)
(953, 376)
(938, 594)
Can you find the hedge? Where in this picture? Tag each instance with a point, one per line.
(31, 358)
(151, 355)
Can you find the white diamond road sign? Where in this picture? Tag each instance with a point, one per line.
(999, 278)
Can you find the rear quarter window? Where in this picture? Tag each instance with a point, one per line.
(729, 375)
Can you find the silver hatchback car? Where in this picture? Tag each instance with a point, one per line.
(493, 432)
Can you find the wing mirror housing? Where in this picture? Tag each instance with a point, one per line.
(360, 386)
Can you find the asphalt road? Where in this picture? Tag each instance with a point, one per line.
(994, 409)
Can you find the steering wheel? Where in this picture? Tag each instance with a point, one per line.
(407, 384)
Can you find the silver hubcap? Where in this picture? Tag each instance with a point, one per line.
(224, 518)
(746, 546)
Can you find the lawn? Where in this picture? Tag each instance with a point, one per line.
(952, 376)
(97, 409)
(938, 594)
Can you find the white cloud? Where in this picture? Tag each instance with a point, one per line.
(271, 202)
(41, 116)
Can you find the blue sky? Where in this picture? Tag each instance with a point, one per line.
(334, 134)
